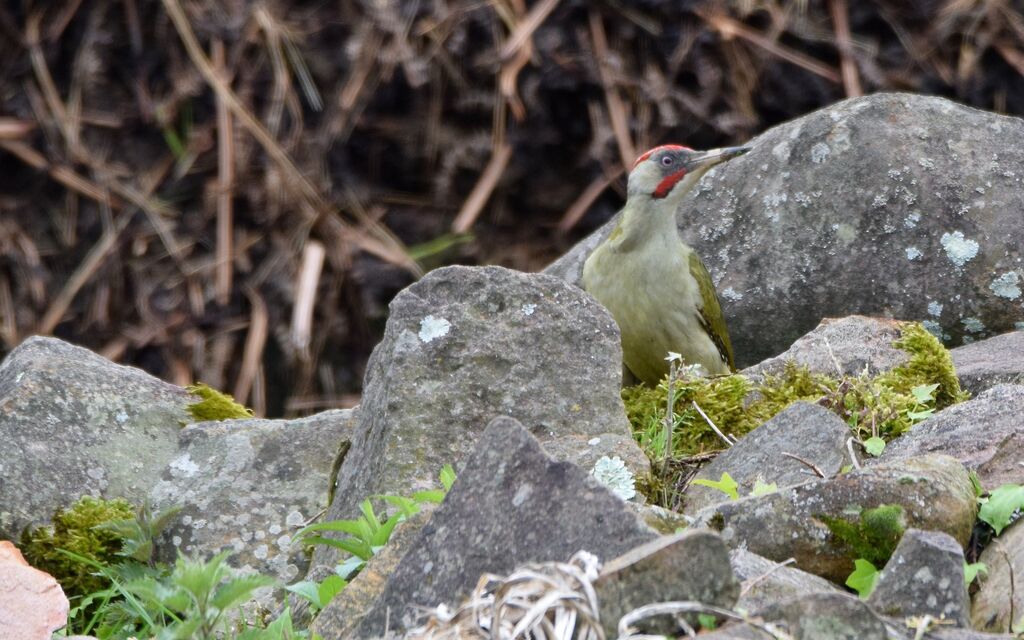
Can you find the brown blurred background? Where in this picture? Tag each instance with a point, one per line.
(232, 191)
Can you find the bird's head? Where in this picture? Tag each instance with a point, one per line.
(669, 171)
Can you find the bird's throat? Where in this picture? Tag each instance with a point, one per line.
(644, 222)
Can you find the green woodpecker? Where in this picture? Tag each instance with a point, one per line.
(654, 285)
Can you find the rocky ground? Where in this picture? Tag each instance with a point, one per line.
(513, 378)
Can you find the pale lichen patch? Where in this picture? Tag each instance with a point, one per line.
(959, 249)
(913, 253)
(934, 308)
(972, 324)
(820, 152)
(1007, 285)
(432, 328)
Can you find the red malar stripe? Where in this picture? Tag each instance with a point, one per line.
(667, 183)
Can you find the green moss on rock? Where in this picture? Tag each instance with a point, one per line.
(77, 530)
(214, 405)
(873, 536)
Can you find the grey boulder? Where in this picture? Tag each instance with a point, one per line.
(765, 582)
(841, 346)
(248, 486)
(934, 492)
(73, 424)
(466, 344)
(511, 504)
(813, 437)
(982, 365)
(693, 565)
(986, 434)
(845, 210)
(924, 576)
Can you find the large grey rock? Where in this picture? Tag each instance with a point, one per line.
(693, 565)
(845, 210)
(984, 364)
(764, 582)
(73, 424)
(999, 602)
(512, 504)
(986, 434)
(466, 344)
(248, 486)
(934, 492)
(841, 346)
(924, 576)
(827, 616)
(812, 433)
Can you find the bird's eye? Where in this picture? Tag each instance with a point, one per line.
(667, 161)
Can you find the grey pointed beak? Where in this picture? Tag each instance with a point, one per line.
(710, 158)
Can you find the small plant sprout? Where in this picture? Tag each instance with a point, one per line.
(864, 578)
(725, 484)
(612, 473)
(1002, 507)
(675, 360)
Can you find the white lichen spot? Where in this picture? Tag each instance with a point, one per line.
(781, 151)
(260, 552)
(1019, 325)
(294, 519)
(959, 249)
(284, 542)
(528, 309)
(612, 473)
(912, 219)
(731, 294)
(274, 529)
(973, 325)
(176, 541)
(594, 442)
(522, 494)
(820, 152)
(934, 308)
(96, 473)
(432, 328)
(183, 467)
(913, 253)
(935, 329)
(121, 417)
(1007, 285)
(926, 163)
(199, 524)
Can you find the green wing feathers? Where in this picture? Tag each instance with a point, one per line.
(711, 310)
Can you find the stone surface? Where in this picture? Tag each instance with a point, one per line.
(32, 604)
(764, 582)
(850, 345)
(986, 434)
(248, 486)
(847, 209)
(982, 365)
(75, 424)
(924, 576)
(466, 344)
(827, 616)
(806, 430)
(347, 609)
(934, 491)
(1000, 592)
(693, 565)
(512, 504)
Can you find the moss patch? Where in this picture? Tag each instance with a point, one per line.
(77, 530)
(885, 405)
(214, 405)
(873, 536)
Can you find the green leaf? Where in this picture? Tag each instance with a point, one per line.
(447, 477)
(863, 578)
(238, 590)
(924, 393)
(919, 416)
(407, 507)
(726, 485)
(1004, 501)
(762, 488)
(351, 527)
(330, 587)
(972, 570)
(308, 591)
(350, 567)
(435, 496)
(357, 548)
(874, 446)
(976, 483)
(707, 621)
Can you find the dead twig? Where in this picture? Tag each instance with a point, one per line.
(616, 108)
(808, 463)
(847, 64)
(478, 197)
(583, 202)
